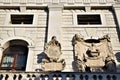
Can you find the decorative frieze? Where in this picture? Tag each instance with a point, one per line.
(94, 1)
(82, 2)
(102, 1)
(86, 1)
(78, 1)
(15, 1)
(63, 1)
(23, 1)
(47, 1)
(39, 1)
(7, 1)
(30, 1)
(71, 1)
(56, 1)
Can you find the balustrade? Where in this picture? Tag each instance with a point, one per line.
(58, 76)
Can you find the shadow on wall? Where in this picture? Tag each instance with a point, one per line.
(40, 57)
(46, 31)
(117, 55)
(117, 24)
(74, 66)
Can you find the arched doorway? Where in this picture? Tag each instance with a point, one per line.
(14, 56)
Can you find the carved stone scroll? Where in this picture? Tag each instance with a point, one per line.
(93, 55)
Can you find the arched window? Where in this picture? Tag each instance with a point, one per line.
(14, 56)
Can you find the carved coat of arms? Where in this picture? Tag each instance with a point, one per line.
(53, 53)
(93, 55)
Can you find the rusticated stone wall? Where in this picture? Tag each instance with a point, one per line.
(35, 32)
(69, 28)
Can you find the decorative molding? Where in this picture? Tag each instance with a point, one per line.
(69, 2)
(55, 7)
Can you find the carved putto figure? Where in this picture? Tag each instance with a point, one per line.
(93, 55)
(53, 53)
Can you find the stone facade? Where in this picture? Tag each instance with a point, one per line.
(58, 18)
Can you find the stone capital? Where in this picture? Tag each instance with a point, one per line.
(54, 7)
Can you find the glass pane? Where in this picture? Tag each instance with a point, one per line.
(21, 61)
(7, 61)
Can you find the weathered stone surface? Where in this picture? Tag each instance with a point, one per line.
(53, 52)
(52, 66)
(94, 55)
(39, 30)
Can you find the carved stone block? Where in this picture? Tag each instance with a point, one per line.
(98, 62)
(52, 66)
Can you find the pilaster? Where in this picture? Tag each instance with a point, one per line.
(116, 8)
(29, 65)
(55, 21)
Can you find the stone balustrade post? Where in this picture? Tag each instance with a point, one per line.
(63, 77)
(59, 78)
(77, 77)
(46, 78)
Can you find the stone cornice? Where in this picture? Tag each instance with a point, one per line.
(55, 7)
(39, 3)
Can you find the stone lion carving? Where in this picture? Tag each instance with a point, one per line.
(53, 53)
(93, 55)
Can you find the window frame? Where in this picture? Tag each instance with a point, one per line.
(14, 67)
(102, 17)
(8, 19)
(89, 20)
(20, 19)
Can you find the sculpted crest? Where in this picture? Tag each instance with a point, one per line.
(93, 55)
(53, 53)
